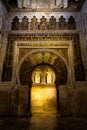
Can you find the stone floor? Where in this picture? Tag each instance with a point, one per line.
(43, 122)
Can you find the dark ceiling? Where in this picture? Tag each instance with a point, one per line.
(73, 5)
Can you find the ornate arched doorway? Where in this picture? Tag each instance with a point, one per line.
(43, 71)
(43, 90)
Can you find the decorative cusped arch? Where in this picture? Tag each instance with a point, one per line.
(43, 56)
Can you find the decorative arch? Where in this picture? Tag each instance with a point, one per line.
(43, 56)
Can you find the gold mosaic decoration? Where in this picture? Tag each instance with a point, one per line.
(53, 60)
(78, 63)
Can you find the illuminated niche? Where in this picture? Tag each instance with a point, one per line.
(43, 90)
(43, 74)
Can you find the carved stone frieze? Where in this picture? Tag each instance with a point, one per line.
(15, 24)
(52, 23)
(34, 23)
(24, 23)
(62, 23)
(44, 24)
(71, 23)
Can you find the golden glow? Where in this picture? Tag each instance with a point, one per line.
(43, 91)
(43, 74)
(43, 97)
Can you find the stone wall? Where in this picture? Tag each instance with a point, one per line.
(72, 100)
(23, 101)
(14, 100)
(8, 99)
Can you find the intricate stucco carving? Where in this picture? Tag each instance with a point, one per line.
(62, 23)
(34, 23)
(15, 24)
(71, 23)
(51, 24)
(41, 57)
(45, 3)
(24, 51)
(50, 5)
(24, 23)
(43, 23)
(8, 62)
(26, 72)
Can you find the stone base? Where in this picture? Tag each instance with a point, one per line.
(16, 101)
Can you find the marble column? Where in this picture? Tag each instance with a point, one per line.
(26, 3)
(0, 30)
(65, 3)
(20, 3)
(62, 3)
(0, 24)
(0, 41)
(86, 39)
(59, 3)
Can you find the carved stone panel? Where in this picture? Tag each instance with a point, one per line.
(24, 23)
(26, 72)
(52, 23)
(8, 62)
(34, 23)
(15, 24)
(62, 23)
(71, 23)
(43, 23)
